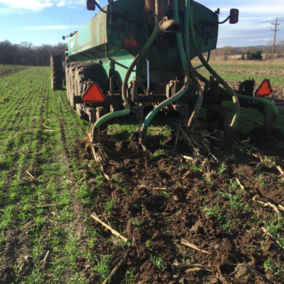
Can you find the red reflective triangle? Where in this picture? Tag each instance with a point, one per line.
(264, 89)
(94, 94)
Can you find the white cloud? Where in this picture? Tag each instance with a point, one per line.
(16, 6)
(34, 5)
(61, 3)
(39, 28)
(257, 35)
(240, 33)
(251, 7)
(6, 11)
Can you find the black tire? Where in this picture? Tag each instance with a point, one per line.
(67, 84)
(56, 72)
(71, 87)
(79, 92)
(71, 82)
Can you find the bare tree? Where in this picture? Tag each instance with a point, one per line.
(279, 49)
(28, 54)
(226, 51)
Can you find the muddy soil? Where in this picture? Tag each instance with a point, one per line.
(160, 200)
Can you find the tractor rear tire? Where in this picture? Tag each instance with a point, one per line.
(56, 72)
(79, 92)
(71, 87)
(67, 83)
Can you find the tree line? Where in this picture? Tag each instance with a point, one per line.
(250, 52)
(27, 54)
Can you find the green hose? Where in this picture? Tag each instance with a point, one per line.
(272, 106)
(126, 111)
(191, 69)
(217, 77)
(208, 58)
(186, 80)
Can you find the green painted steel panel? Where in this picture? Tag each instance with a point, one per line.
(91, 42)
(92, 35)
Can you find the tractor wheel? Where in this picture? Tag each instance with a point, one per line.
(71, 86)
(67, 84)
(56, 72)
(79, 81)
(70, 76)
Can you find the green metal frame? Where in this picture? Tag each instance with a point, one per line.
(89, 43)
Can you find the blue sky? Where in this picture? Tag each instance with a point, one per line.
(45, 21)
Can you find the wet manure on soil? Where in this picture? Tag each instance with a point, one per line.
(191, 221)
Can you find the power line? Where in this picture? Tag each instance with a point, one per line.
(275, 31)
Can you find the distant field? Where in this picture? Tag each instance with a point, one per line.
(274, 80)
(6, 70)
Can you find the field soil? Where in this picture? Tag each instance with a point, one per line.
(159, 201)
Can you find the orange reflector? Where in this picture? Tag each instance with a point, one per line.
(264, 89)
(94, 94)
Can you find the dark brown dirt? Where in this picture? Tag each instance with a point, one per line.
(160, 200)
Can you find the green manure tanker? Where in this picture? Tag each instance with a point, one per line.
(137, 53)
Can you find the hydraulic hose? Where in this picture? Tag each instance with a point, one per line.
(230, 91)
(208, 58)
(191, 69)
(126, 110)
(186, 80)
(271, 105)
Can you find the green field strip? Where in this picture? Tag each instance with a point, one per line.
(51, 170)
(11, 83)
(14, 139)
(26, 144)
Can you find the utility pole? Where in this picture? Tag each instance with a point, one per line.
(275, 31)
